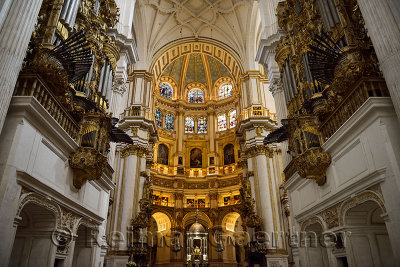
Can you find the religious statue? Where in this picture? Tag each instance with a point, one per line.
(196, 251)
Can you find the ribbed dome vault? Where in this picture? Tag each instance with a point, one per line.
(196, 67)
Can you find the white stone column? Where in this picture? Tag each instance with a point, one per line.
(14, 38)
(265, 194)
(385, 35)
(128, 192)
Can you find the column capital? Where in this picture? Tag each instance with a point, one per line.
(119, 86)
(275, 86)
(258, 150)
(133, 150)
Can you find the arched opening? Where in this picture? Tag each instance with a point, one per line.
(33, 244)
(197, 249)
(83, 249)
(368, 244)
(159, 239)
(235, 238)
(315, 253)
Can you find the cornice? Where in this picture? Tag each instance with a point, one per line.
(125, 44)
(267, 46)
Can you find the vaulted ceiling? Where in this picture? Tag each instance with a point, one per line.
(196, 67)
(235, 23)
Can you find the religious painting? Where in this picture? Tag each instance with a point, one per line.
(202, 203)
(164, 201)
(196, 158)
(190, 202)
(211, 160)
(227, 201)
(162, 156)
(180, 160)
(229, 154)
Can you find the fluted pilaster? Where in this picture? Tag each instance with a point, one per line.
(15, 36)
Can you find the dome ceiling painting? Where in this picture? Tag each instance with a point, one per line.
(196, 67)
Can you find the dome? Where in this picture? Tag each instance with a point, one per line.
(197, 68)
(197, 227)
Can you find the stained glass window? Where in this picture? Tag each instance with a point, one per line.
(158, 117)
(189, 125)
(196, 96)
(169, 122)
(202, 125)
(222, 122)
(232, 119)
(166, 90)
(225, 91)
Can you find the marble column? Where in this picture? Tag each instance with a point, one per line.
(128, 188)
(281, 113)
(265, 195)
(14, 38)
(385, 35)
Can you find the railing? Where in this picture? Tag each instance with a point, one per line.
(365, 89)
(197, 206)
(138, 111)
(257, 111)
(33, 85)
(164, 204)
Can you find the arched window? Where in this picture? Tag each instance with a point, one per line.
(196, 159)
(169, 122)
(232, 119)
(225, 91)
(222, 122)
(158, 117)
(189, 125)
(229, 154)
(166, 90)
(202, 125)
(196, 96)
(162, 155)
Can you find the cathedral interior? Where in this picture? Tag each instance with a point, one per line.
(199, 133)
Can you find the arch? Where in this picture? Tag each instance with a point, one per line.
(225, 90)
(162, 154)
(40, 201)
(220, 82)
(166, 90)
(37, 236)
(202, 218)
(365, 196)
(313, 220)
(164, 222)
(229, 220)
(216, 49)
(229, 154)
(196, 158)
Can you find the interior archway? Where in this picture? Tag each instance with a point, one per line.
(369, 240)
